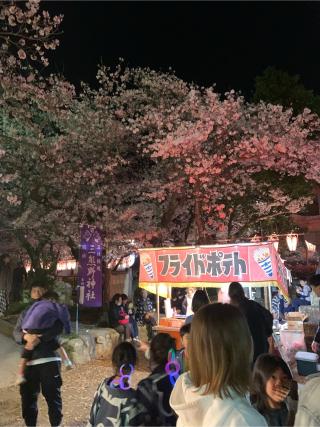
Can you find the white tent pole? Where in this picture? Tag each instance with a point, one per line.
(270, 297)
(158, 305)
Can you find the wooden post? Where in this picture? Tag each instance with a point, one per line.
(267, 297)
(158, 305)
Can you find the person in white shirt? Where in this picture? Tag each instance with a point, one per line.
(187, 303)
(215, 391)
(308, 414)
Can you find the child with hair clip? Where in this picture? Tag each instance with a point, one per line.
(153, 392)
(113, 403)
(274, 393)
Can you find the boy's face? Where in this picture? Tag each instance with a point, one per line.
(37, 292)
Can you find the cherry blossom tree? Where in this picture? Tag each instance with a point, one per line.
(214, 153)
(146, 156)
(26, 34)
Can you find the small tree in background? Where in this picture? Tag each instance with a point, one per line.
(280, 88)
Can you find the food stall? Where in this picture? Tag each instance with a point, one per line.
(215, 266)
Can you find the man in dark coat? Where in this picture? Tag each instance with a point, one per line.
(260, 320)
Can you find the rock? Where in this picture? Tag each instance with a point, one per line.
(77, 351)
(89, 340)
(105, 339)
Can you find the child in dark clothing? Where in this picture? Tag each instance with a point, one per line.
(153, 392)
(273, 390)
(41, 316)
(113, 401)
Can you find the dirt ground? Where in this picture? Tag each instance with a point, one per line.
(79, 386)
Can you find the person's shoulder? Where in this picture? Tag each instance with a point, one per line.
(312, 387)
(31, 308)
(155, 376)
(62, 306)
(244, 414)
(38, 302)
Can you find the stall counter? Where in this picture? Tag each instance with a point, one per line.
(172, 327)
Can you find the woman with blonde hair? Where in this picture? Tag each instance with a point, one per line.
(215, 391)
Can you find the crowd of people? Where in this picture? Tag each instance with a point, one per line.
(125, 316)
(225, 374)
(300, 296)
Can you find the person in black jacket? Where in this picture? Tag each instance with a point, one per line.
(260, 320)
(42, 371)
(153, 393)
(119, 319)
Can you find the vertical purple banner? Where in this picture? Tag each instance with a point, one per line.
(90, 271)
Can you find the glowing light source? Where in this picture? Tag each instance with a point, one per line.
(69, 264)
(311, 247)
(292, 241)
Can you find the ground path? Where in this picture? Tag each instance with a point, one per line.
(78, 389)
(9, 357)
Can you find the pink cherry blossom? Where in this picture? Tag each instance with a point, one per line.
(22, 54)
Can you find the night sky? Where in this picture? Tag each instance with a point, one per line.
(227, 43)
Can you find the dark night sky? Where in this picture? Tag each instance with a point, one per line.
(227, 43)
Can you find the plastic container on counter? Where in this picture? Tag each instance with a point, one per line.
(292, 342)
(306, 363)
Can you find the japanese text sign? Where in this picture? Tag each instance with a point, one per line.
(90, 271)
(213, 266)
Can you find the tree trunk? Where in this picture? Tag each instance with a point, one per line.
(170, 211)
(198, 218)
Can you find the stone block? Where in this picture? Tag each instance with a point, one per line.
(105, 341)
(77, 351)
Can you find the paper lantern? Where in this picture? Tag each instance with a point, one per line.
(292, 241)
(71, 264)
(311, 247)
